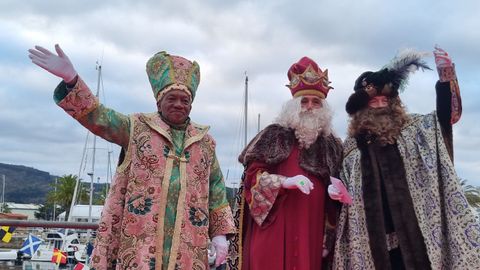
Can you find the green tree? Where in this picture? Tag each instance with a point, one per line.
(62, 193)
(45, 212)
(472, 193)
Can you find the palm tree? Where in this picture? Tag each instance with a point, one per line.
(472, 193)
(62, 192)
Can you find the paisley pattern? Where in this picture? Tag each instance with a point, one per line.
(128, 235)
(452, 236)
(264, 194)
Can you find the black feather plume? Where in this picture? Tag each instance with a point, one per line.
(403, 64)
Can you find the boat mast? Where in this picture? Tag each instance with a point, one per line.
(91, 174)
(99, 68)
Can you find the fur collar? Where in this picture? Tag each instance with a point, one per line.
(274, 144)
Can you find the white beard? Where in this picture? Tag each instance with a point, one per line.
(308, 125)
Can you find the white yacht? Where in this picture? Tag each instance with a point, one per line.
(76, 252)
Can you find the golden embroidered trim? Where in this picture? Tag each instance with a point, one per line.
(197, 137)
(257, 177)
(240, 231)
(310, 92)
(180, 212)
(161, 214)
(150, 122)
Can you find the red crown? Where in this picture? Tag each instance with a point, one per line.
(306, 78)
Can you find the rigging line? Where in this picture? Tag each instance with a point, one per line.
(236, 146)
(84, 160)
(110, 145)
(241, 136)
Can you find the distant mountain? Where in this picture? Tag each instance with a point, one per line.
(28, 185)
(25, 184)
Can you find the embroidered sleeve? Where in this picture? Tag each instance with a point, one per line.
(220, 217)
(261, 191)
(82, 105)
(108, 237)
(448, 76)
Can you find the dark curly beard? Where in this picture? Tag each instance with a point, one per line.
(382, 124)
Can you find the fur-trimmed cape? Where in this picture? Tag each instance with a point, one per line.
(274, 144)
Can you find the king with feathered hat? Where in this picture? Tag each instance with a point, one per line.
(408, 211)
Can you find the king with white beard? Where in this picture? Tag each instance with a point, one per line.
(284, 211)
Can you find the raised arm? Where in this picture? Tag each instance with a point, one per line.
(74, 96)
(449, 103)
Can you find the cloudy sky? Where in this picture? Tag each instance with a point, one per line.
(227, 39)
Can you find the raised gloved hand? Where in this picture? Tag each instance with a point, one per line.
(299, 181)
(337, 191)
(442, 59)
(221, 248)
(59, 65)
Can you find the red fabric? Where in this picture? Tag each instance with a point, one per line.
(79, 266)
(305, 75)
(59, 256)
(291, 237)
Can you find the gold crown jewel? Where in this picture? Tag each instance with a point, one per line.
(310, 77)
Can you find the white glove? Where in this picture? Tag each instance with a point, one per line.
(299, 181)
(442, 59)
(325, 252)
(221, 248)
(59, 65)
(337, 191)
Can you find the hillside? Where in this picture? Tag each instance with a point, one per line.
(28, 185)
(25, 184)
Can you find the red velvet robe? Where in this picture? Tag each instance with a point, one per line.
(291, 235)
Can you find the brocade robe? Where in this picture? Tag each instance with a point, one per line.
(409, 210)
(284, 228)
(167, 197)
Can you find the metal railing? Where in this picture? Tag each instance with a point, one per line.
(49, 224)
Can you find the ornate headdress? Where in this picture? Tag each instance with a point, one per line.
(166, 72)
(306, 78)
(388, 81)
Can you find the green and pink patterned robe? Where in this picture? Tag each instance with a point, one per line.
(168, 196)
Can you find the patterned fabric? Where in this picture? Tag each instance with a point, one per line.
(448, 226)
(80, 103)
(178, 138)
(133, 231)
(448, 74)
(264, 194)
(101, 121)
(164, 69)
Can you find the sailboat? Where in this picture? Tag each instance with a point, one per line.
(236, 169)
(85, 160)
(94, 211)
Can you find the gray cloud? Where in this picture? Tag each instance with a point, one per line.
(227, 38)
